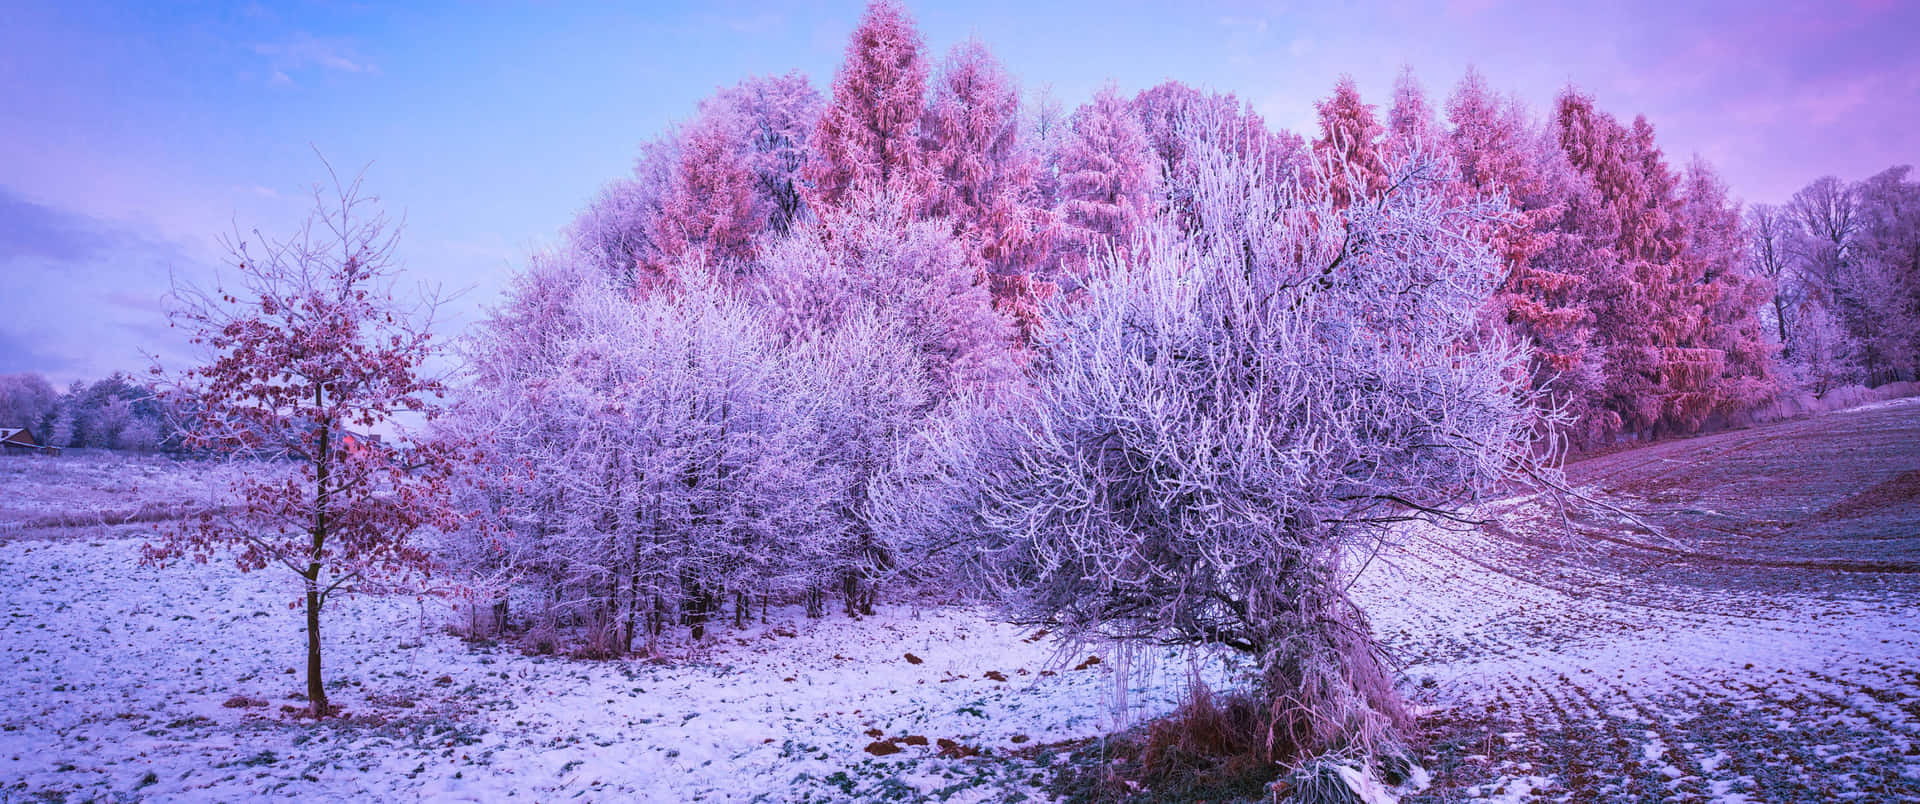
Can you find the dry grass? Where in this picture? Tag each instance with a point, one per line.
(1210, 741)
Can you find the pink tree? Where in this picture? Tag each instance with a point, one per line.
(868, 138)
(709, 204)
(1671, 303)
(1714, 276)
(1625, 282)
(978, 175)
(312, 347)
(981, 179)
(1499, 155)
(1410, 120)
(1349, 146)
(1103, 181)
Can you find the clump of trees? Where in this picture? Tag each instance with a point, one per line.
(1144, 369)
(112, 413)
(1844, 263)
(653, 461)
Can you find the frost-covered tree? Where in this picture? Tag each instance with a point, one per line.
(861, 393)
(1348, 148)
(646, 459)
(1238, 403)
(979, 174)
(621, 230)
(1501, 156)
(1718, 287)
(780, 113)
(876, 259)
(1888, 275)
(1853, 254)
(708, 211)
(1045, 122)
(1673, 310)
(1411, 122)
(868, 138)
(1771, 248)
(980, 178)
(1821, 353)
(1828, 213)
(311, 346)
(709, 186)
(26, 400)
(1104, 184)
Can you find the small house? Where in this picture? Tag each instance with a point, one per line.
(20, 440)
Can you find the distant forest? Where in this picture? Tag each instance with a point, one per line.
(114, 413)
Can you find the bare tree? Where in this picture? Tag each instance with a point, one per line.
(1772, 236)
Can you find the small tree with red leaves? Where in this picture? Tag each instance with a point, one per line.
(304, 357)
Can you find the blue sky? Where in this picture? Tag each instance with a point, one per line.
(134, 134)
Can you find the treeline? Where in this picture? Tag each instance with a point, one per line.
(1628, 273)
(1845, 264)
(734, 381)
(113, 413)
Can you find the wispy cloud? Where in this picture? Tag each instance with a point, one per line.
(305, 52)
(87, 293)
(31, 230)
(759, 24)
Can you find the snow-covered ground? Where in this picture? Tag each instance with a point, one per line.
(1586, 687)
(118, 678)
(1768, 652)
(1544, 673)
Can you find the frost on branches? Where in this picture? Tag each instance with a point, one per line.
(309, 354)
(1242, 402)
(868, 138)
(653, 459)
(876, 258)
(1103, 183)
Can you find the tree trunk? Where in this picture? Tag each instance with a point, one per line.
(1780, 320)
(1321, 668)
(316, 691)
(322, 470)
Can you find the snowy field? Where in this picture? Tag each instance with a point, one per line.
(1747, 661)
(1764, 648)
(123, 682)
